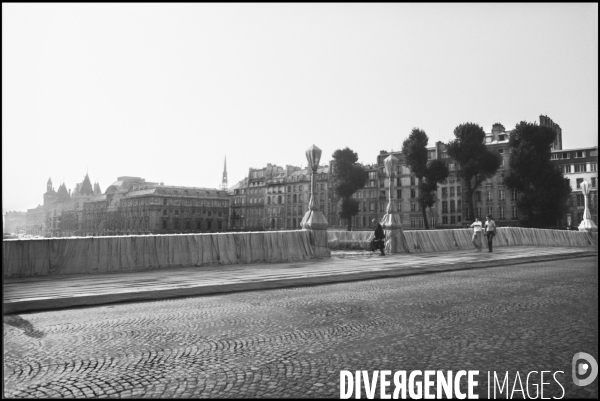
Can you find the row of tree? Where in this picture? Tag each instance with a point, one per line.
(543, 191)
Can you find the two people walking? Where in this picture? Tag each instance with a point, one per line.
(490, 232)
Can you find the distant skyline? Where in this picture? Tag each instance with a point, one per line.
(166, 91)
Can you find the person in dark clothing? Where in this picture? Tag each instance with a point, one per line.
(490, 231)
(378, 241)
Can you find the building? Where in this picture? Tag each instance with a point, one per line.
(276, 198)
(132, 206)
(14, 221)
(578, 165)
(129, 206)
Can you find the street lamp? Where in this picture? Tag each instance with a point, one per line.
(391, 223)
(314, 220)
(587, 224)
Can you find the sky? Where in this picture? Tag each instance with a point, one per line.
(167, 91)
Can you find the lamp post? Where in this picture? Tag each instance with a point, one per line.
(391, 223)
(314, 220)
(587, 224)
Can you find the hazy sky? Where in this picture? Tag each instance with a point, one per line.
(165, 91)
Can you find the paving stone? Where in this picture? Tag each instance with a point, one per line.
(256, 344)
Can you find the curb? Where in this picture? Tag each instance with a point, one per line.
(154, 295)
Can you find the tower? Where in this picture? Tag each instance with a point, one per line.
(49, 185)
(224, 182)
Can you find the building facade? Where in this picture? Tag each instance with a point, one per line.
(129, 206)
(14, 222)
(132, 206)
(578, 165)
(276, 198)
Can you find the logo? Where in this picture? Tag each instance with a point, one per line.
(580, 368)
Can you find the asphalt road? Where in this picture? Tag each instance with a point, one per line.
(294, 342)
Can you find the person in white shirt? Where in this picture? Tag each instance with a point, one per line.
(490, 231)
(477, 233)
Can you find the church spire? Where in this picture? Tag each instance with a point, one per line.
(224, 181)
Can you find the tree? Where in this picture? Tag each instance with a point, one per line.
(543, 190)
(348, 177)
(414, 149)
(476, 163)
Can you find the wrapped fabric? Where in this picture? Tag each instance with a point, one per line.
(24, 258)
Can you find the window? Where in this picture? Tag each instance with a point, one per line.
(501, 211)
(580, 200)
(164, 212)
(398, 194)
(444, 206)
(176, 224)
(421, 223)
(413, 207)
(478, 196)
(452, 220)
(219, 225)
(514, 213)
(458, 219)
(513, 195)
(444, 192)
(452, 207)
(452, 193)
(579, 181)
(593, 182)
(198, 224)
(164, 224)
(593, 167)
(489, 195)
(413, 193)
(468, 213)
(209, 225)
(579, 168)
(478, 212)
(580, 154)
(489, 211)
(176, 212)
(444, 219)
(432, 222)
(187, 224)
(413, 222)
(500, 180)
(458, 191)
(412, 180)
(501, 195)
(371, 207)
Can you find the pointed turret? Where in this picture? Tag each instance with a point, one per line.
(97, 190)
(62, 195)
(224, 182)
(50, 195)
(86, 186)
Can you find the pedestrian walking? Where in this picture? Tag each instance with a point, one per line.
(477, 228)
(378, 241)
(490, 231)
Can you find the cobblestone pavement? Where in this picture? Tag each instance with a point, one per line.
(294, 342)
